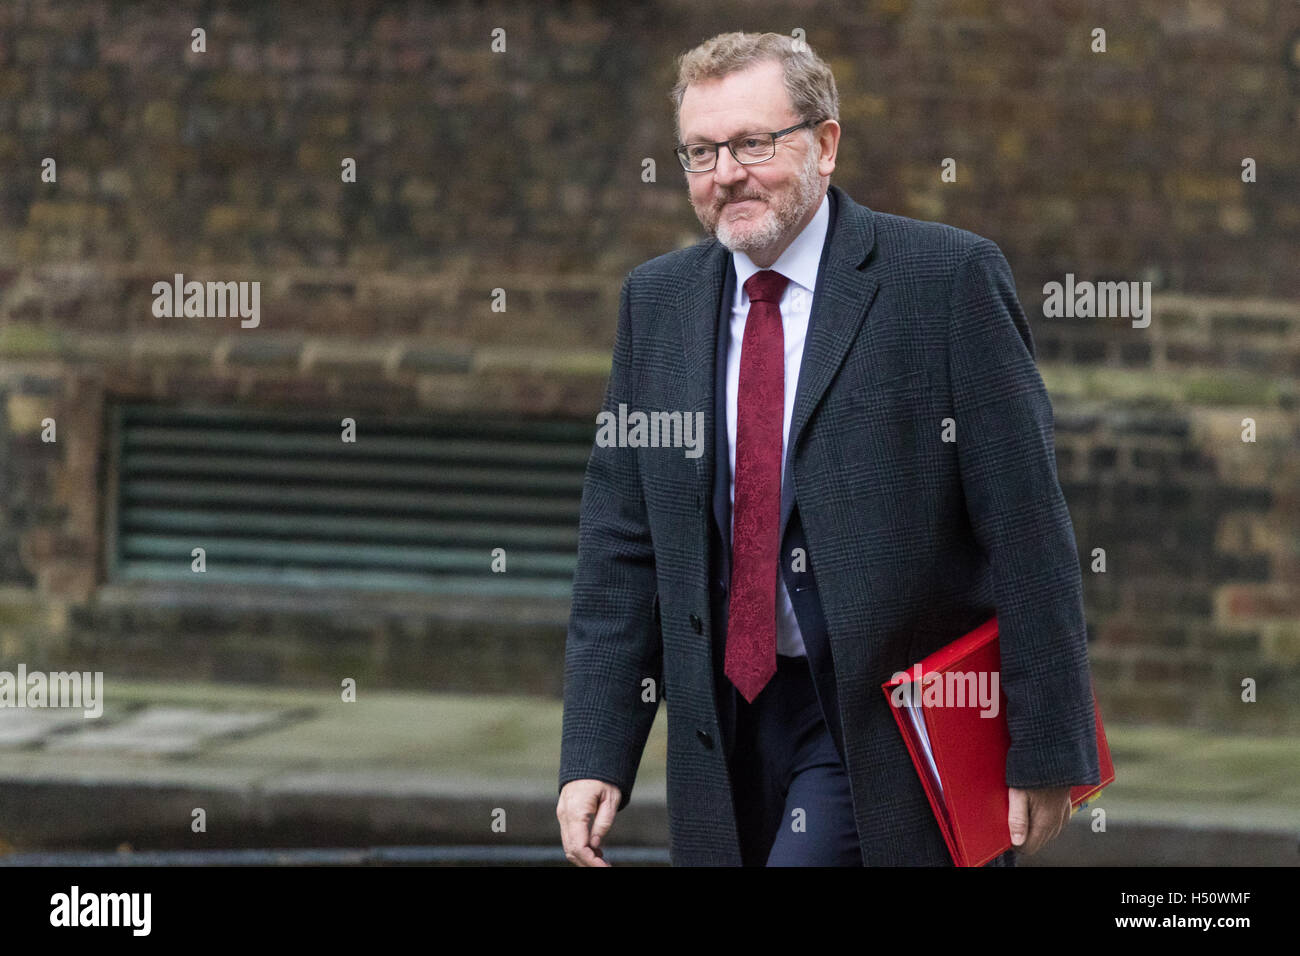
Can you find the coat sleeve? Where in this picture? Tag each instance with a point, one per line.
(1005, 447)
(613, 644)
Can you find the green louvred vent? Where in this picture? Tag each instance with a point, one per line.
(282, 499)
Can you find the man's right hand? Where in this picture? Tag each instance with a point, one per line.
(581, 803)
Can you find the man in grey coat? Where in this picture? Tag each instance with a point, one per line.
(876, 477)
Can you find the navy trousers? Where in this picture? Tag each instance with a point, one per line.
(794, 806)
(793, 802)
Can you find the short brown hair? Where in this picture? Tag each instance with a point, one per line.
(808, 79)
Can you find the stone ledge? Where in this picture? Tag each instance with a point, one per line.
(596, 363)
(1173, 388)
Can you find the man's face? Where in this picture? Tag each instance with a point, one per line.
(757, 209)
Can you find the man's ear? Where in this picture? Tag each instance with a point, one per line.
(828, 141)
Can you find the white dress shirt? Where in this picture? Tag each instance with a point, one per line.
(799, 264)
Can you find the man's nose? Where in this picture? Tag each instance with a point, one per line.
(727, 171)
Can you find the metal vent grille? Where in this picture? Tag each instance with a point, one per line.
(281, 499)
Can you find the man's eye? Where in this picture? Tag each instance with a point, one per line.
(697, 152)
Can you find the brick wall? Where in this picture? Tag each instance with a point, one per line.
(523, 171)
(1200, 529)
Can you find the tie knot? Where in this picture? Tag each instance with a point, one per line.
(766, 286)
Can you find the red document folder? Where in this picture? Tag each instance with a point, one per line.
(961, 756)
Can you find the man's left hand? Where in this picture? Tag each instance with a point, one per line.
(1036, 816)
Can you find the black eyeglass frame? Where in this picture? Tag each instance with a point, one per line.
(681, 156)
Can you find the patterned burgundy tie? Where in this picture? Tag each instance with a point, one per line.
(760, 412)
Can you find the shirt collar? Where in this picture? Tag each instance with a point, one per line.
(800, 260)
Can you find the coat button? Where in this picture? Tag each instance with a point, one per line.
(722, 585)
(697, 624)
(705, 738)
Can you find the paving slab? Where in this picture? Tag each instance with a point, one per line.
(272, 763)
(164, 731)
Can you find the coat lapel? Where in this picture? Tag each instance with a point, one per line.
(844, 294)
(697, 309)
(840, 303)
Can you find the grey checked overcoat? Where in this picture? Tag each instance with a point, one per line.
(915, 335)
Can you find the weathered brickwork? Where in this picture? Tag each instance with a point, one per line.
(523, 171)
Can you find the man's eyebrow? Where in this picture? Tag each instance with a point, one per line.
(701, 138)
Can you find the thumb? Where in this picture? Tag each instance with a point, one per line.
(604, 816)
(1017, 814)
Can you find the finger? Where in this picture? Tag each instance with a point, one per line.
(1058, 822)
(1017, 815)
(604, 818)
(1054, 814)
(575, 834)
(1042, 818)
(1063, 820)
(586, 856)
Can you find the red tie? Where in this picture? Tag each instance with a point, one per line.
(760, 412)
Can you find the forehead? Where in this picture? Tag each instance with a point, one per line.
(747, 101)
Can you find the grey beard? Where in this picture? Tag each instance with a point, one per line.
(777, 219)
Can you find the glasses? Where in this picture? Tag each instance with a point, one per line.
(748, 149)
